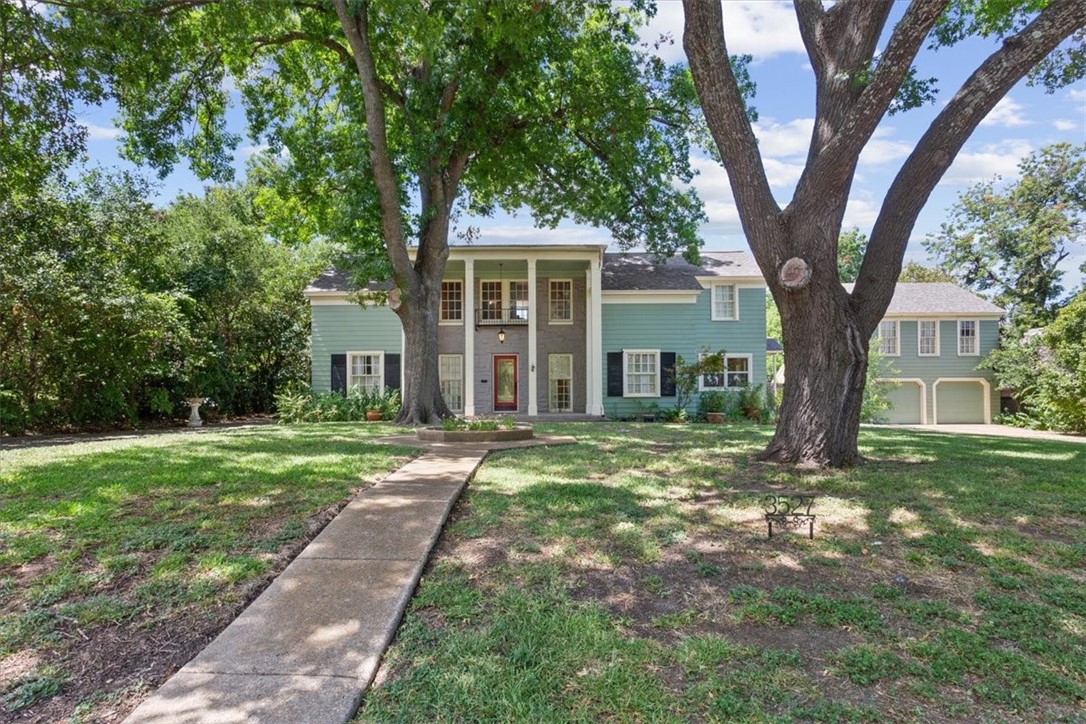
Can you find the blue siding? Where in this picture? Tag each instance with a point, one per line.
(685, 329)
(339, 328)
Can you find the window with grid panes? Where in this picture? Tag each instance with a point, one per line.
(452, 301)
(642, 373)
(724, 301)
(560, 376)
(364, 371)
(450, 372)
(927, 333)
(490, 300)
(561, 300)
(518, 300)
(888, 338)
(967, 337)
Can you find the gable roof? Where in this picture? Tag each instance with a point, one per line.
(334, 280)
(936, 298)
(638, 271)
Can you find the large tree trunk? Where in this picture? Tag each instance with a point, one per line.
(825, 367)
(421, 393)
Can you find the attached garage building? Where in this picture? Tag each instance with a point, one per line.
(932, 342)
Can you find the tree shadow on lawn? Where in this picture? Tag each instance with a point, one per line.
(948, 570)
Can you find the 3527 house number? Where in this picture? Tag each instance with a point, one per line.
(789, 512)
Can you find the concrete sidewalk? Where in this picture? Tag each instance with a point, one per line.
(308, 647)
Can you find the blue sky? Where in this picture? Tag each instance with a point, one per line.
(1025, 121)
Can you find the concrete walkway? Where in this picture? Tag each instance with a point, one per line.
(309, 646)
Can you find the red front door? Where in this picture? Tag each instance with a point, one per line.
(505, 383)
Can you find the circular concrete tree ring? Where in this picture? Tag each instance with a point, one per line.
(795, 274)
(436, 434)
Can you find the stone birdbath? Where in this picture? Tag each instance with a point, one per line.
(194, 403)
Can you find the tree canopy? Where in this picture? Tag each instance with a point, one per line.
(1009, 243)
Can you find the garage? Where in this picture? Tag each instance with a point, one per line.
(961, 401)
(906, 403)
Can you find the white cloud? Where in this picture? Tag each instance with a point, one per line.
(991, 160)
(1008, 112)
(1077, 94)
(1062, 125)
(780, 174)
(101, 133)
(783, 140)
(763, 28)
(882, 148)
(246, 152)
(860, 213)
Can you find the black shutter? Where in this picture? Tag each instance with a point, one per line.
(614, 374)
(392, 371)
(667, 374)
(339, 373)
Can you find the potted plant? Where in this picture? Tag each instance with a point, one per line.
(751, 403)
(374, 415)
(712, 405)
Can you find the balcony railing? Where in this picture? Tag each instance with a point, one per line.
(501, 316)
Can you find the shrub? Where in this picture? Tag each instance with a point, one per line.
(296, 406)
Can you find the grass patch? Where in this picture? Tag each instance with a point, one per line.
(103, 544)
(630, 578)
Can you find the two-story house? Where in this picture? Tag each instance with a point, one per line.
(931, 341)
(555, 329)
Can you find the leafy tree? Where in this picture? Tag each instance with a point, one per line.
(397, 115)
(826, 329)
(39, 94)
(850, 254)
(85, 327)
(1009, 244)
(1048, 370)
(914, 272)
(243, 299)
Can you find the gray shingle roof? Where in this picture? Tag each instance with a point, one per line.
(334, 280)
(936, 298)
(637, 271)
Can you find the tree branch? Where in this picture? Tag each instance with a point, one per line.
(356, 28)
(943, 140)
(725, 114)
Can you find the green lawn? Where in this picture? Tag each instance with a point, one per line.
(120, 559)
(630, 578)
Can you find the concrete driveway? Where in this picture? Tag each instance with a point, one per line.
(994, 431)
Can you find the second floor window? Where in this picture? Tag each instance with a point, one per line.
(452, 301)
(490, 299)
(927, 331)
(888, 338)
(561, 300)
(967, 338)
(518, 298)
(724, 306)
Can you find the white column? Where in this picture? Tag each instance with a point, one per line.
(533, 315)
(596, 351)
(590, 371)
(469, 337)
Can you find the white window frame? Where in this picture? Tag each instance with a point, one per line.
(550, 301)
(514, 302)
(976, 338)
(716, 290)
(551, 380)
(506, 302)
(380, 368)
(485, 312)
(442, 380)
(750, 371)
(938, 343)
(451, 321)
(882, 339)
(702, 387)
(626, 353)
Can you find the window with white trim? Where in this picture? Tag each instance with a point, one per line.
(888, 338)
(737, 371)
(452, 301)
(366, 371)
(927, 337)
(724, 302)
(518, 295)
(561, 301)
(713, 380)
(450, 373)
(560, 382)
(967, 338)
(490, 300)
(641, 372)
